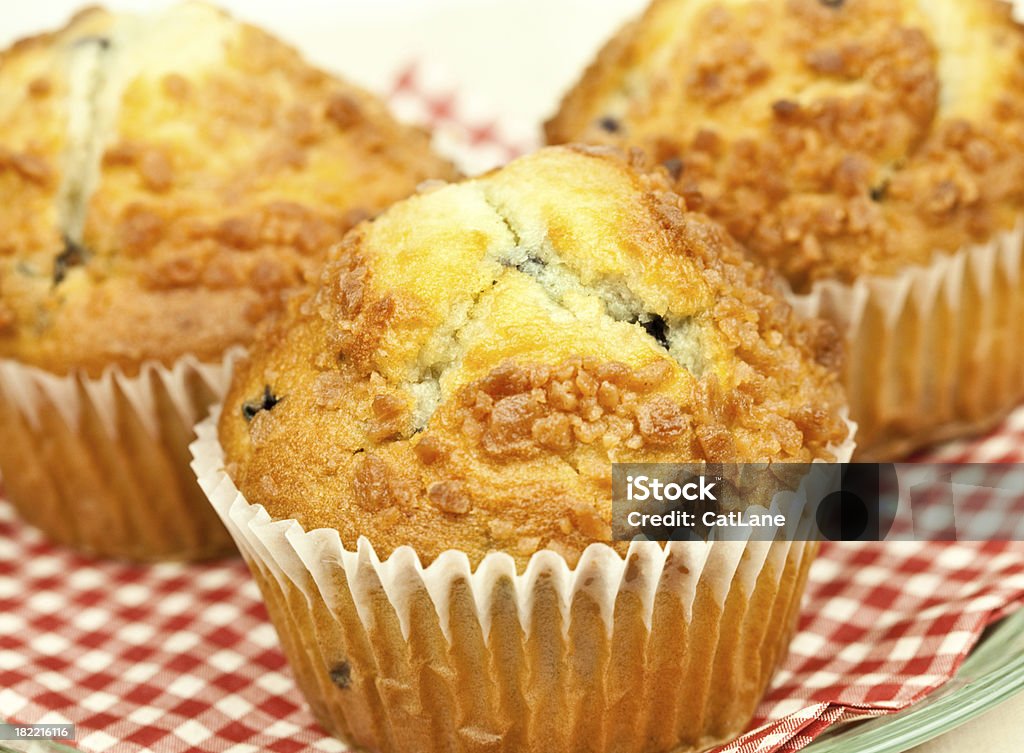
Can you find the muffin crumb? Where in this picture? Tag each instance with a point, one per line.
(476, 399)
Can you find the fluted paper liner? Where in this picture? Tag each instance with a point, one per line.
(668, 648)
(934, 352)
(102, 464)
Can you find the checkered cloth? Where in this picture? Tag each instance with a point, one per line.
(167, 657)
(462, 125)
(182, 658)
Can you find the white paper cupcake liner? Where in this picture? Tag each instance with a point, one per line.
(933, 352)
(668, 647)
(101, 464)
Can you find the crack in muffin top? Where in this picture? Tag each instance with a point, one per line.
(475, 359)
(833, 140)
(166, 177)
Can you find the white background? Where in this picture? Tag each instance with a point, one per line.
(512, 57)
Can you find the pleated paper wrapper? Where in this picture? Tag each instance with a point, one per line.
(668, 648)
(102, 464)
(933, 352)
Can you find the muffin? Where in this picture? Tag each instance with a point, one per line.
(166, 180)
(872, 152)
(416, 462)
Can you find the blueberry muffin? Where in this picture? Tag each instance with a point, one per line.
(873, 153)
(416, 461)
(166, 180)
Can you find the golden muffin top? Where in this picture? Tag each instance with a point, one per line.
(834, 138)
(164, 179)
(475, 359)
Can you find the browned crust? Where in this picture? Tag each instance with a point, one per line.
(517, 456)
(221, 189)
(817, 135)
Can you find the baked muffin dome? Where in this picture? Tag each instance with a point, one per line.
(833, 139)
(166, 178)
(476, 358)
(165, 181)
